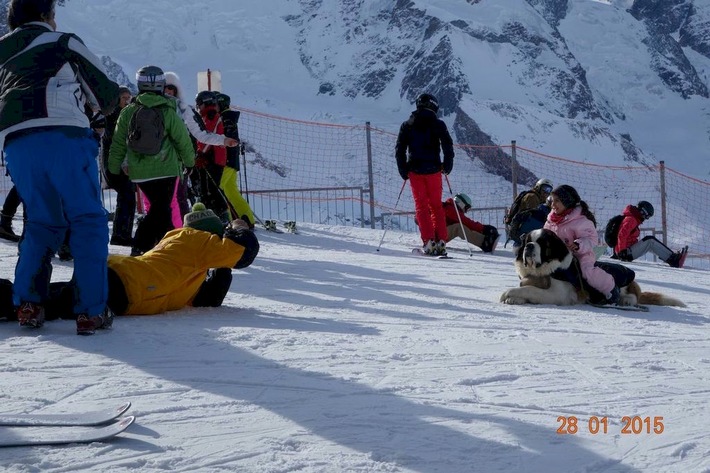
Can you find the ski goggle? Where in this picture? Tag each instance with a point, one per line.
(644, 213)
(546, 188)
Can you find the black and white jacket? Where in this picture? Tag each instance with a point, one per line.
(46, 78)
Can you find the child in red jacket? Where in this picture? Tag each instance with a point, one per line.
(628, 247)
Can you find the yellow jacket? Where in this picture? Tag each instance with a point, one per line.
(169, 276)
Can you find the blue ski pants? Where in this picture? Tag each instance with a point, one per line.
(57, 177)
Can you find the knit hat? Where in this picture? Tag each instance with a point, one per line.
(568, 196)
(202, 218)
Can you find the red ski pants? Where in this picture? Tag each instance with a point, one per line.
(426, 190)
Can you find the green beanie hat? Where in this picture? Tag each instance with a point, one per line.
(202, 218)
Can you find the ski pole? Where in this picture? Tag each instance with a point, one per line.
(456, 207)
(395, 208)
(242, 149)
(230, 207)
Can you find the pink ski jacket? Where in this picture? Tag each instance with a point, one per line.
(577, 228)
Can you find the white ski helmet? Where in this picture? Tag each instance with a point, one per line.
(544, 185)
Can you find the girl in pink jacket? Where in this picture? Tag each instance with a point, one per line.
(574, 223)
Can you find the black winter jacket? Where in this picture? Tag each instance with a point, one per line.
(420, 141)
(46, 78)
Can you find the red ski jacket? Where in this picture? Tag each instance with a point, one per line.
(629, 229)
(213, 125)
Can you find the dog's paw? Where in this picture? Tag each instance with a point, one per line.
(628, 299)
(509, 298)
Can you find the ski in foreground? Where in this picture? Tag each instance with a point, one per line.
(87, 418)
(60, 435)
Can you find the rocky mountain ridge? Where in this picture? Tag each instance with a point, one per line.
(589, 74)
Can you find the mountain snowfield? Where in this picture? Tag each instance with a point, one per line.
(351, 62)
(329, 356)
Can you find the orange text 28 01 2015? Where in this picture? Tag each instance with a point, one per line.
(630, 425)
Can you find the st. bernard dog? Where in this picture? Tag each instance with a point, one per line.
(541, 254)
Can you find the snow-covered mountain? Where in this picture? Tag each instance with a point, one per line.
(607, 81)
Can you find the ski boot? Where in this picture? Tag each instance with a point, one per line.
(270, 225)
(30, 314)
(440, 249)
(290, 226)
(86, 325)
(429, 248)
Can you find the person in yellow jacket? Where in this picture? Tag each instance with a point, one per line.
(190, 266)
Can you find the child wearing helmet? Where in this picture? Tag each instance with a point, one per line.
(628, 247)
(483, 236)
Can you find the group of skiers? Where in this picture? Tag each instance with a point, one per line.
(57, 106)
(420, 143)
(55, 103)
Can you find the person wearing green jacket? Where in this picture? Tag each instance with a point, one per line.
(137, 132)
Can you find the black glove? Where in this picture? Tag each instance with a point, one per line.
(245, 238)
(115, 181)
(404, 172)
(625, 255)
(97, 121)
(447, 167)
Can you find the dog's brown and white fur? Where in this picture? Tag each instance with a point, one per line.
(541, 254)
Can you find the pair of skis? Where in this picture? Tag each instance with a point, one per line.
(19, 430)
(289, 226)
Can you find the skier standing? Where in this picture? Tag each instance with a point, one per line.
(46, 79)
(420, 142)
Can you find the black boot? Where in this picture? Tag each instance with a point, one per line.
(6, 231)
(677, 259)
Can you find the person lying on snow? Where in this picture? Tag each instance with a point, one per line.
(190, 266)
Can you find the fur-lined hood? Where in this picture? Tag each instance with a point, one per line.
(172, 78)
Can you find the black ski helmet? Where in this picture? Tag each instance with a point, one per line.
(428, 101)
(646, 209)
(223, 101)
(206, 97)
(150, 79)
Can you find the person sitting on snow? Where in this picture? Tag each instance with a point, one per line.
(628, 247)
(190, 266)
(483, 236)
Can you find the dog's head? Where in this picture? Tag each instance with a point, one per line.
(541, 254)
